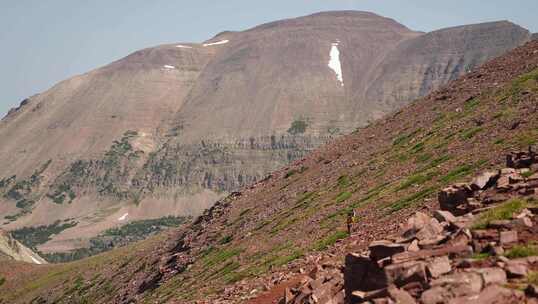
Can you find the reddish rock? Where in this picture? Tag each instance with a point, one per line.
(444, 216)
(457, 250)
(452, 197)
(507, 171)
(515, 178)
(461, 238)
(384, 262)
(516, 269)
(492, 275)
(288, 296)
(431, 230)
(337, 299)
(532, 183)
(434, 295)
(485, 180)
(472, 204)
(496, 250)
(524, 222)
(432, 242)
(414, 224)
(413, 247)
(524, 213)
(400, 296)
(507, 237)
(493, 294)
(480, 246)
(503, 184)
(361, 273)
(384, 300)
(452, 286)
(407, 272)
(383, 249)
(465, 263)
(326, 291)
(360, 296)
(493, 198)
(439, 266)
(521, 159)
(463, 221)
(486, 234)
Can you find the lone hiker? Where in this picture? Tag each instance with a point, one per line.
(351, 219)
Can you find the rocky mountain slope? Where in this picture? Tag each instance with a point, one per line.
(480, 246)
(11, 249)
(169, 130)
(254, 244)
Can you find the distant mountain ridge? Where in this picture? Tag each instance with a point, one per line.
(170, 129)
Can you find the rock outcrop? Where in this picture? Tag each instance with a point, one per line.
(13, 250)
(478, 247)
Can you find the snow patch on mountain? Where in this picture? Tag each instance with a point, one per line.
(183, 46)
(334, 62)
(36, 260)
(217, 43)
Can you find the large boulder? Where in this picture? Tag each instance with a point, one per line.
(407, 272)
(493, 294)
(414, 224)
(521, 159)
(439, 266)
(400, 296)
(485, 180)
(361, 273)
(444, 216)
(492, 275)
(450, 250)
(454, 197)
(452, 286)
(384, 249)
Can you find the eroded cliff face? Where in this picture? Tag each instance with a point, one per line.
(13, 250)
(168, 130)
(125, 173)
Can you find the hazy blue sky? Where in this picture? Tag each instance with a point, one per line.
(43, 42)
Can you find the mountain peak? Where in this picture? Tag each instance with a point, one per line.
(332, 19)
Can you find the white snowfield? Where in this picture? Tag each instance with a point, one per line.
(217, 43)
(123, 217)
(334, 62)
(36, 260)
(169, 67)
(183, 46)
